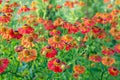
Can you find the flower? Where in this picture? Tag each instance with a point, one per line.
(23, 9)
(117, 48)
(4, 19)
(95, 29)
(56, 42)
(48, 25)
(49, 51)
(108, 61)
(27, 41)
(3, 64)
(0, 1)
(5, 33)
(113, 71)
(102, 34)
(19, 48)
(75, 75)
(27, 55)
(7, 9)
(69, 4)
(67, 38)
(79, 69)
(95, 58)
(84, 29)
(89, 22)
(15, 34)
(26, 29)
(56, 65)
(15, 4)
(108, 51)
(106, 1)
(117, 2)
(55, 32)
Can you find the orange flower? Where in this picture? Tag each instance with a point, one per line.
(79, 69)
(67, 38)
(27, 41)
(27, 55)
(69, 4)
(58, 22)
(117, 2)
(108, 61)
(5, 33)
(56, 42)
(106, 1)
(15, 4)
(81, 3)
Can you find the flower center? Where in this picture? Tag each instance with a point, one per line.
(1, 62)
(56, 38)
(27, 53)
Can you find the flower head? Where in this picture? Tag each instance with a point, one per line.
(26, 29)
(117, 48)
(113, 71)
(49, 51)
(56, 65)
(27, 55)
(3, 64)
(108, 61)
(95, 58)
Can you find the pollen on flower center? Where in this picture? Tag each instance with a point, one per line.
(30, 39)
(56, 38)
(27, 53)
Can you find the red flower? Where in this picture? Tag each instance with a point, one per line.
(49, 51)
(4, 19)
(49, 25)
(73, 29)
(26, 29)
(3, 64)
(56, 65)
(101, 34)
(117, 48)
(0, 1)
(23, 9)
(113, 71)
(55, 32)
(7, 9)
(69, 47)
(95, 58)
(95, 29)
(15, 34)
(108, 51)
(67, 25)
